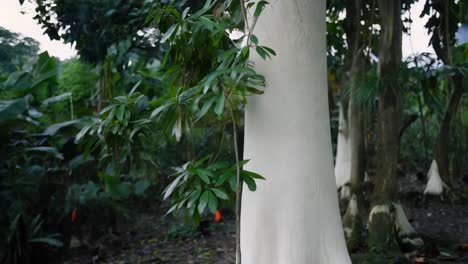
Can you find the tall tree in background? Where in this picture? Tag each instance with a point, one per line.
(353, 219)
(102, 31)
(381, 220)
(442, 24)
(14, 49)
(293, 217)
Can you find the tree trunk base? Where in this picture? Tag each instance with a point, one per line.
(353, 225)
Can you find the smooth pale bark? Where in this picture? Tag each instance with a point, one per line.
(343, 154)
(435, 185)
(293, 216)
(407, 237)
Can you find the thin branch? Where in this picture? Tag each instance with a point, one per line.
(214, 158)
(239, 185)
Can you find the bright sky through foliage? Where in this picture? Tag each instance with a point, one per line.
(12, 19)
(418, 41)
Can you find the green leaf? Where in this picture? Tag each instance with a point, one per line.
(47, 240)
(254, 90)
(49, 150)
(184, 14)
(9, 110)
(168, 33)
(259, 8)
(203, 201)
(221, 194)
(134, 88)
(158, 110)
(220, 104)
(141, 186)
(250, 183)
(120, 112)
(205, 108)
(82, 133)
(204, 174)
(212, 202)
(194, 196)
(58, 98)
(253, 175)
(254, 39)
(223, 178)
(53, 129)
(262, 52)
(269, 50)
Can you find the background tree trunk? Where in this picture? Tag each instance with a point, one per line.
(381, 218)
(441, 151)
(343, 158)
(293, 216)
(353, 219)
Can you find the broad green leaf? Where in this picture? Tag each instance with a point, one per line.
(119, 113)
(254, 39)
(49, 150)
(261, 51)
(47, 240)
(269, 50)
(253, 175)
(205, 108)
(158, 110)
(141, 186)
(212, 202)
(221, 194)
(250, 183)
(259, 8)
(204, 175)
(203, 201)
(220, 104)
(53, 129)
(223, 178)
(9, 110)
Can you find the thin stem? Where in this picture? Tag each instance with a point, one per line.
(244, 16)
(239, 187)
(213, 159)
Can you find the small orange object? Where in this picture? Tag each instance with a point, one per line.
(217, 216)
(420, 260)
(73, 215)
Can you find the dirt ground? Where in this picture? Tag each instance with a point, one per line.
(151, 237)
(154, 239)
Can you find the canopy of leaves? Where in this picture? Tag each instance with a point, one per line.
(14, 49)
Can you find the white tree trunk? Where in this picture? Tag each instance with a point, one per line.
(293, 216)
(409, 239)
(435, 185)
(343, 152)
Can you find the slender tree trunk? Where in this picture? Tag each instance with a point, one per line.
(381, 218)
(293, 216)
(423, 126)
(439, 177)
(353, 218)
(441, 151)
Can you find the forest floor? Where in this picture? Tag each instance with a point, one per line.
(152, 237)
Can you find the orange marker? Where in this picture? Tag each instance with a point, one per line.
(217, 216)
(73, 215)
